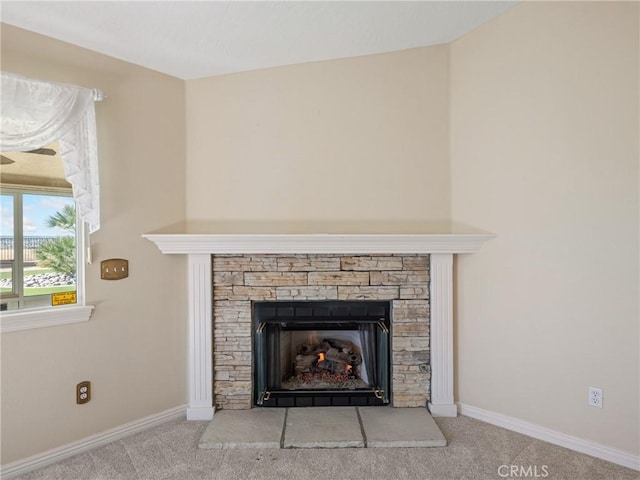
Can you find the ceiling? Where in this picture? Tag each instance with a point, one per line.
(198, 39)
(34, 169)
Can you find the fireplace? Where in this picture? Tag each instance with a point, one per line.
(321, 353)
(231, 384)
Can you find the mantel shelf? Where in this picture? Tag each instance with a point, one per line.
(362, 238)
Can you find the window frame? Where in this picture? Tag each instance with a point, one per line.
(45, 316)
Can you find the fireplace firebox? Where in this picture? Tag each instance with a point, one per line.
(321, 353)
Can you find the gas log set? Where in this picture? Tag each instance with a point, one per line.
(331, 355)
(329, 364)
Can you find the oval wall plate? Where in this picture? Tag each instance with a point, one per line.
(114, 269)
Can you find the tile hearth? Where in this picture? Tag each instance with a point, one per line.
(322, 427)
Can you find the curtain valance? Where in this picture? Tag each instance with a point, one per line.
(35, 113)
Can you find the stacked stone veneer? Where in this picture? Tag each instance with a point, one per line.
(239, 279)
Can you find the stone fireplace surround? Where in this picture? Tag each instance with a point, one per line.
(240, 279)
(203, 242)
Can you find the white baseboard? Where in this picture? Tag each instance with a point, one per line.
(613, 455)
(40, 460)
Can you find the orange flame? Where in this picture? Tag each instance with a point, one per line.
(348, 368)
(320, 357)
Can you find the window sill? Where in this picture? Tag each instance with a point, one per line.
(44, 317)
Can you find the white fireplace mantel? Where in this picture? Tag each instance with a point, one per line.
(201, 240)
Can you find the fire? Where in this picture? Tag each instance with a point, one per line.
(348, 368)
(321, 357)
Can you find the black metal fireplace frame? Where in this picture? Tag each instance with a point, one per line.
(272, 316)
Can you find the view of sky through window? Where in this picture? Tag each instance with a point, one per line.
(36, 211)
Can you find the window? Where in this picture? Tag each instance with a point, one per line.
(40, 249)
(41, 242)
(34, 114)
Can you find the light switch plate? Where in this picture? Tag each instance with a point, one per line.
(114, 269)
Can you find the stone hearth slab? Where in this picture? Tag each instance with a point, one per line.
(323, 427)
(255, 428)
(400, 427)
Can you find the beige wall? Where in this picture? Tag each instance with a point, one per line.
(544, 152)
(356, 139)
(133, 349)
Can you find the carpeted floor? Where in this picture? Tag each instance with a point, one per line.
(475, 451)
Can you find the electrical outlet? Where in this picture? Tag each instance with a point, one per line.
(83, 392)
(595, 397)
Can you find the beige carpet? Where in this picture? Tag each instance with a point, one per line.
(475, 451)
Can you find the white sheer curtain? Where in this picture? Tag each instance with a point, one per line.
(34, 113)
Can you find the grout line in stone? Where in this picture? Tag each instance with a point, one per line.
(364, 434)
(284, 427)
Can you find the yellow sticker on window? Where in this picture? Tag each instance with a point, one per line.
(63, 298)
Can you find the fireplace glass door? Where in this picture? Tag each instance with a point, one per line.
(321, 353)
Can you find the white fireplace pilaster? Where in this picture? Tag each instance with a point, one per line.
(200, 339)
(441, 335)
